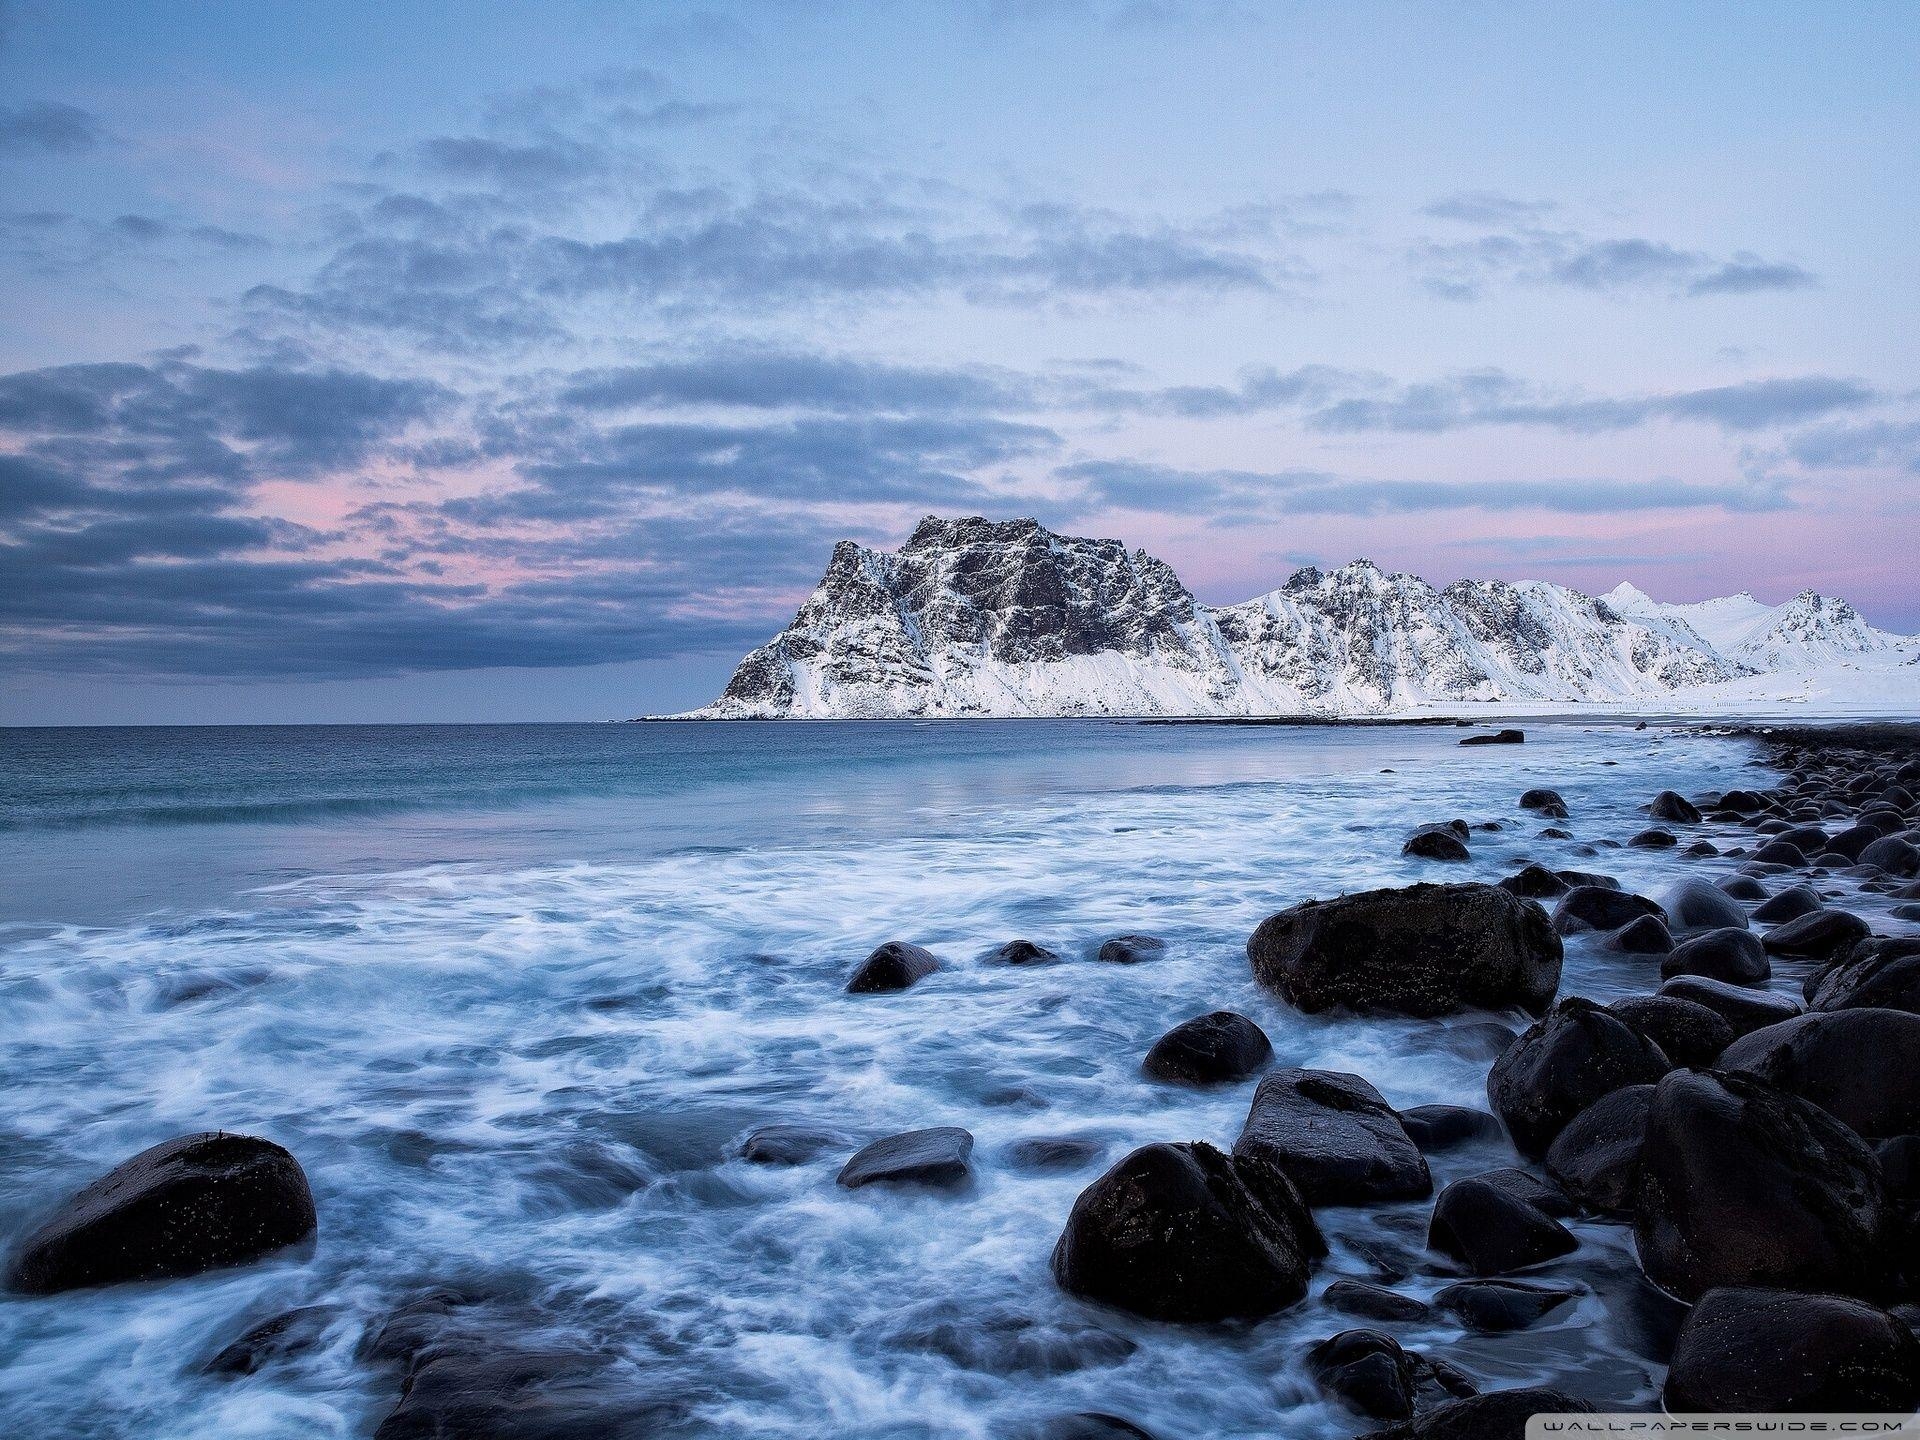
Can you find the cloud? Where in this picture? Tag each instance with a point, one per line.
(1484, 207)
(48, 129)
(1894, 443)
(796, 381)
(1130, 485)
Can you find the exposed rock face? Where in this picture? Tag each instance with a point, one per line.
(1562, 1064)
(938, 1157)
(981, 617)
(1491, 1230)
(1213, 1049)
(1862, 1066)
(1596, 1159)
(1426, 950)
(1174, 1232)
(1742, 1184)
(1334, 1136)
(188, 1205)
(1882, 973)
(1748, 1350)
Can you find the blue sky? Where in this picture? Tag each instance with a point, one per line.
(486, 361)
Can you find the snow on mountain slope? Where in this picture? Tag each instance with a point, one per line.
(980, 617)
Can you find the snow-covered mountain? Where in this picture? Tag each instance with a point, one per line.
(982, 617)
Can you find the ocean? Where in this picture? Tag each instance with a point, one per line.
(514, 994)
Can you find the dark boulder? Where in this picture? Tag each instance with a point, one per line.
(1500, 737)
(1494, 1307)
(1372, 1302)
(1596, 1159)
(1893, 855)
(1780, 852)
(1535, 882)
(788, 1144)
(1502, 1415)
(1132, 949)
(1173, 1232)
(1490, 1231)
(1214, 1049)
(1673, 807)
(1748, 1350)
(1696, 904)
(200, 1202)
(1334, 1136)
(1595, 907)
(1053, 1154)
(1821, 936)
(1542, 799)
(1743, 1008)
(1644, 935)
(1425, 950)
(283, 1336)
(1436, 842)
(894, 966)
(1735, 956)
(1852, 841)
(1562, 1064)
(1741, 1184)
(1862, 1066)
(1442, 1127)
(1021, 952)
(1879, 973)
(1366, 1369)
(1654, 840)
(1543, 1195)
(1090, 1425)
(1688, 1032)
(939, 1157)
(1789, 904)
(1744, 887)
(485, 1386)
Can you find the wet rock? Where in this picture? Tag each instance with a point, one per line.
(1372, 1302)
(1742, 1184)
(1132, 949)
(1577, 878)
(291, 1333)
(1425, 950)
(1884, 974)
(1595, 907)
(1052, 1154)
(1852, 841)
(1173, 1232)
(1751, 1350)
(1742, 1008)
(1744, 887)
(197, 1203)
(1542, 799)
(1596, 1159)
(1743, 802)
(1524, 1185)
(1780, 852)
(789, 1144)
(1789, 904)
(1366, 1369)
(1487, 1229)
(1893, 855)
(1503, 1415)
(1494, 1307)
(1535, 882)
(482, 1387)
(1091, 1425)
(1654, 840)
(1862, 1066)
(894, 966)
(1561, 1065)
(1696, 904)
(1021, 952)
(1002, 1340)
(1554, 832)
(1442, 1127)
(1214, 1049)
(1501, 737)
(1688, 1032)
(1334, 1136)
(1821, 936)
(1674, 808)
(939, 1157)
(1735, 956)
(1642, 936)
(1436, 842)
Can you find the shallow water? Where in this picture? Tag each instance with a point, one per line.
(513, 995)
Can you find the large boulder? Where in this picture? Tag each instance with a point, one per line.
(1366, 1369)
(1893, 855)
(1213, 1049)
(1490, 1230)
(1021, 952)
(1821, 936)
(1596, 1159)
(1668, 805)
(1789, 904)
(1643, 935)
(1880, 973)
(1503, 1415)
(1742, 1007)
(197, 1203)
(1543, 799)
(1747, 1350)
(1334, 1136)
(1696, 904)
(1562, 1064)
(1495, 1307)
(1686, 1031)
(1436, 842)
(1132, 949)
(1735, 956)
(1424, 950)
(1535, 882)
(1743, 1184)
(1862, 1066)
(1596, 907)
(893, 966)
(1443, 1127)
(939, 1158)
(1174, 1232)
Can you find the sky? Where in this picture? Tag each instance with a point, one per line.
(472, 361)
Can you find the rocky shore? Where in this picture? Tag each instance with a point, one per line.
(1743, 1136)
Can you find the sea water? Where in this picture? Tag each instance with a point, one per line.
(513, 996)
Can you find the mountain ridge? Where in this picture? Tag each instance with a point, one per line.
(979, 617)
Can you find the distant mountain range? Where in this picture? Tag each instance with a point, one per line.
(1005, 618)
